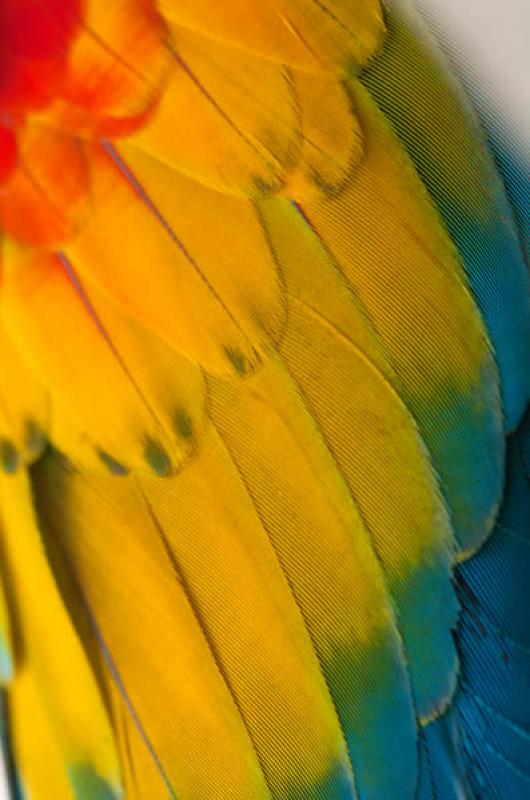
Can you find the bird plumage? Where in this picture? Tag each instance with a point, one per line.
(264, 333)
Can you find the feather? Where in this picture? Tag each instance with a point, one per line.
(493, 702)
(49, 640)
(6, 641)
(442, 358)
(311, 36)
(244, 277)
(146, 430)
(353, 633)
(264, 125)
(36, 208)
(220, 753)
(24, 410)
(331, 137)
(180, 305)
(258, 273)
(411, 83)
(268, 660)
(117, 65)
(242, 105)
(40, 765)
(409, 526)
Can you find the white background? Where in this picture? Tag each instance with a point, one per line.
(490, 41)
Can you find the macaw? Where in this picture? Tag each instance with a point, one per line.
(264, 372)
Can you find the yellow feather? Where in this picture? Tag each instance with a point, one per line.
(323, 545)
(151, 421)
(242, 273)
(388, 240)
(141, 775)
(179, 305)
(50, 643)
(302, 33)
(186, 712)
(331, 137)
(225, 557)
(24, 409)
(241, 106)
(396, 237)
(40, 766)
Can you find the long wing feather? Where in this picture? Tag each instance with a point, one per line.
(51, 645)
(251, 293)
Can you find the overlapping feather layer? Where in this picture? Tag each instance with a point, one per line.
(276, 382)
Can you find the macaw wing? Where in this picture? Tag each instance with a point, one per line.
(249, 300)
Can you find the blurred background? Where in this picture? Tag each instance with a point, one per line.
(489, 43)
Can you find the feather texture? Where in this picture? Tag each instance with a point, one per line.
(262, 290)
(50, 643)
(435, 123)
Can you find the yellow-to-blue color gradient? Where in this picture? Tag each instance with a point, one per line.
(264, 371)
